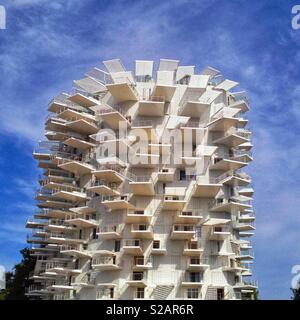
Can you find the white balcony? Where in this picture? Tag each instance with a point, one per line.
(142, 263)
(75, 251)
(82, 126)
(228, 205)
(113, 116)
(226, 163)
(81, 221)
(192, 279)
(154, 107)
(173, 202)
(110, 232)
(107, 263)
(79, 144)
(183, 232)
(195, 263)
(102, 187)
(117, 203)
(233, 138)
(206, 187)
(73, 196)
(142, 231)
(158, 248)
(83, 99)
(142, 186)
(123, 89)
(137, 279)
(138, 216)
(133, 246)
(71, 115)
(193, 109)
(219, 233)
(192, 217)
(75, 166)
(109, 173)
(238, 100)
(193, 247)
(166, 175)
(234, 178)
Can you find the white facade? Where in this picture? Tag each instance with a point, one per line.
(127, 213)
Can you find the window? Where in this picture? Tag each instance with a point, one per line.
(117, 245)
(182, 175)
(156, 244)
(140, 293)
(192, 293)
(195, 277)
(195, 260)
(220, 294)
(137, 276)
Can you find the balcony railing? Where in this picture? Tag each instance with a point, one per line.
(239, 175)
(104, 260)
(133, 243)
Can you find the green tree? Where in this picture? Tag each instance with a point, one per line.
(18, 279)
(296, 293)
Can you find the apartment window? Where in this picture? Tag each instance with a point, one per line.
(156, 244)
(137, 276)
(94, 235)
(220, 294)
(195, 277)
(117, 245)
(139, 212)
(187, 213)
(182, 175)
(140, 293)
(111, 293)
(195, 260)
(142, 227)
(192, 293)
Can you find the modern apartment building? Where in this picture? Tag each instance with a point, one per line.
(142, 194)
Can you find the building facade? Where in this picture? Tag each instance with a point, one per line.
(142, 194)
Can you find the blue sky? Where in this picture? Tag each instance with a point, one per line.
(47, 44)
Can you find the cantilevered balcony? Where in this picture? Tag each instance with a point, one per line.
(143, 185)
(84, 99)
(73, 196)
(60, 285)
(79, 144)
(107, 292)
(133, 246)
(193, 216)
(193, 247)
(166, 175)
(102, 187)
(158, 248)
(56, 267)
(219, 233)
(206, 187)
(193, 108)
(141, 231)
(183, 232)
(233, 137)
(71, 115)
(142, 263)
(164, 86)
(123, 89)
(137, 279)
(75, 250)
(110, 173)
(226, 162)
(173, 202)
(195, 263)
(238, 100)
(246, 191)
(223, 120)
(110, 232)
(82, 126)
(191, 279)
(75, 165)
(233, 178)
(244, 223)
(36, 290)
(81, 221)
(246, 286)
(245, 255)
(105, 263)
(138, 216)
(117, 203)
(35, 224)
(229, 205)
(61, 238)
(113, 116)
(153, 107)
(57, 225)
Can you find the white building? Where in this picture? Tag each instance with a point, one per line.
(125, 211)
